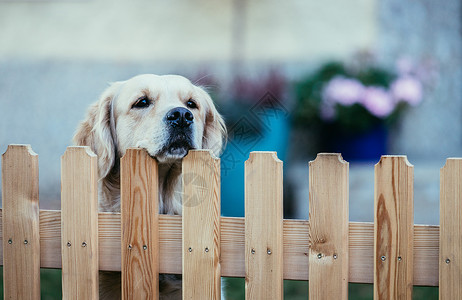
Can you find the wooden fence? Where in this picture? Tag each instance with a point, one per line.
(327, 249)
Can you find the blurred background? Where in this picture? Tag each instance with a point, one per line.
(360, 77)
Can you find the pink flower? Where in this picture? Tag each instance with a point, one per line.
(344, 91)
(378, 101)
(407, 89)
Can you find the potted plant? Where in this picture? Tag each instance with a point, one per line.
(352, 106)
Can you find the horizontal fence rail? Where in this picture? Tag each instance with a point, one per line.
(295, 253)
(328, 250)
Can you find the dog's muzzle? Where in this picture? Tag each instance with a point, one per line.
(179, 121)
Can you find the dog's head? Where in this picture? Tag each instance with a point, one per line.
(166, 115)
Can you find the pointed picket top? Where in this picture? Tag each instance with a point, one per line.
(398, 157)
(329, 156)
(21, 161)
(20, 148)
(262, 154)
(450, 162)
(78, 149)
(202, 153)
(131, 151)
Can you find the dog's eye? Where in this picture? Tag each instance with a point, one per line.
(141, 103)
(191, 104)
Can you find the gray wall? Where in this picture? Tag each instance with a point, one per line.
(428, 32)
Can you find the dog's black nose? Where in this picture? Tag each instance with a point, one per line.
(179, 117)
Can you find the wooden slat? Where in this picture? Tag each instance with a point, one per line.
(139, 221)
(393, 230)
(50, 239)
(263, 226)
(79, 223)
(201, 226)
(450, 260)
(328, 276)
(20, 194)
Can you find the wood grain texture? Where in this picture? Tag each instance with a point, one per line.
(139, 223)
(450, 259)
(20, 194)
(328, 255)
(263, 226)
(394, 228)
(79, 223)
(295, 256)
(201, 226)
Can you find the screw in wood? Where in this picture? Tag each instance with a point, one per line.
(383, 258)
(84, 244)
(319, 255)
(335, 256)
(252, 251)
(206, 249)
(26, 242)
(129, 247)
(268, 251)
(10, 241)
(190, 249)
(69, 244)
(399, 258)
(448, 260)
(145, 247)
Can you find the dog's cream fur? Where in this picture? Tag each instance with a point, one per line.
(114, 124)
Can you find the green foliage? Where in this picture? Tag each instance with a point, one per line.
(50, 284)
(294, 290)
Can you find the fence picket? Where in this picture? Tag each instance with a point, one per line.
(263, 226)
(201, 226)
(450, 257)
(79, 223)
(139, 225)
(394, 228)
(21, 239)
(328, 217)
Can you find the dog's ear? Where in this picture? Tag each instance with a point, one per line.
(214, 129)
(95, 131)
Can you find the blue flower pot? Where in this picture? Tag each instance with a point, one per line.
(363, 147)
(272, 135)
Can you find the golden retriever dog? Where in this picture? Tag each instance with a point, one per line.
(167, 116)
